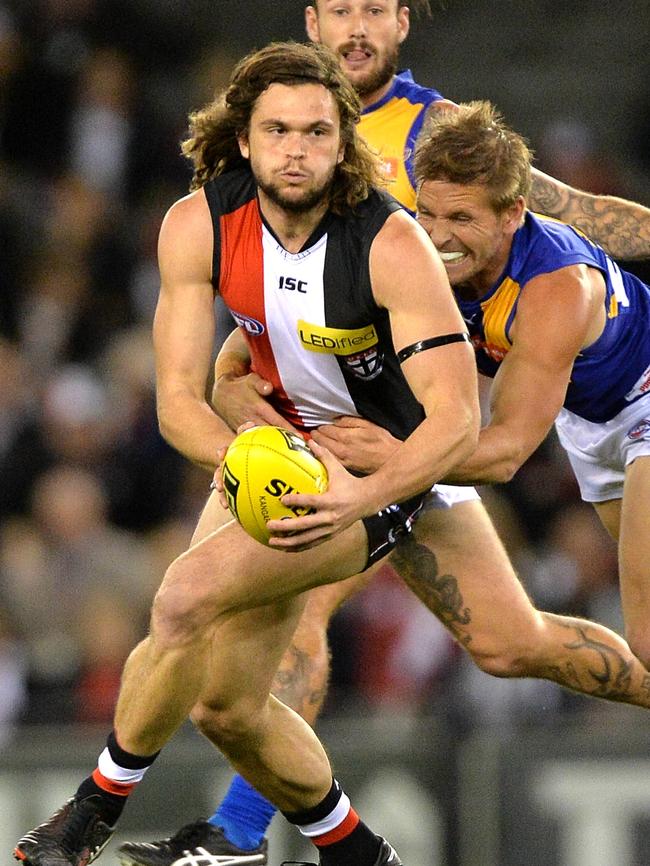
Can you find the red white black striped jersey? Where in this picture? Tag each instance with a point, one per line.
(310, 319)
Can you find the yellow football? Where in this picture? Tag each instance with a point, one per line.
(261, 465)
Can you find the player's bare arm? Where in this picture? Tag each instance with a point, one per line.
(530, 387)
(184, 331)
(621, 227)
(421, 306)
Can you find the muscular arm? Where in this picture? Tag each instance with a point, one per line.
(621, 227)
(184, 331)
(531, 384)
(443, 379)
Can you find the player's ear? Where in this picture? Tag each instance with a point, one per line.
(403, 22)
(311, 23)
(515, 213)
(242, 141)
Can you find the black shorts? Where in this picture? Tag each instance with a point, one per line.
(385, 527)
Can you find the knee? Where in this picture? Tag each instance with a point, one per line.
(182, 613)
(500, 661)
(510, 656)
(226, 725)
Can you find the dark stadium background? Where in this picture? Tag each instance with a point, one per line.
(458, 768)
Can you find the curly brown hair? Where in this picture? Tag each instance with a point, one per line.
(212, 143)
(471, 143)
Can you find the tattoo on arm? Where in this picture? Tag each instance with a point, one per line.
(621, 227)
(418, 567)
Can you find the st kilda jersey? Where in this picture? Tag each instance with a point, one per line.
(310, 319)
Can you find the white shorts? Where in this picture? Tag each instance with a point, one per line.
(599, 453)
(448, 495)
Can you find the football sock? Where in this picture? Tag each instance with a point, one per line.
(116, 775)
(336, 830)
(244, 815)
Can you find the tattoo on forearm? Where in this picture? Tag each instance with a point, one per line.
(547, 198)
(622, 228)
(298, 683)
(417, 565)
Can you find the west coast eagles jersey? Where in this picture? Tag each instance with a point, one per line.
(606, 376)
(391, 126)
(310, 319)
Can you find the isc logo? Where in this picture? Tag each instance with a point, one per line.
(277, 488)
(291, 284)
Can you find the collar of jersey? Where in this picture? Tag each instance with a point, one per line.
(402, 75)
(321, 229)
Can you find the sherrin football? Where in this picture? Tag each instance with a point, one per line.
(261, 465)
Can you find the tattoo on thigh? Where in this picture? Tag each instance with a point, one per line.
(297, 682)
(417, 565)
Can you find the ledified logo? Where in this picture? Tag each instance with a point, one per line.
(336, 341)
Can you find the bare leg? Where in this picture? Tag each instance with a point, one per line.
(251, 727)
(456, 564)
(628, 521)
(302, 678)
(202, 634)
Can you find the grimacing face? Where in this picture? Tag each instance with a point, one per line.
(472, 238)
(365, 36)
(293, 144)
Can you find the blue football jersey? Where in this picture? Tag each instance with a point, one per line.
(608, 375)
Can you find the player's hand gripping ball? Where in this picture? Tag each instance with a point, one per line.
(261, 465)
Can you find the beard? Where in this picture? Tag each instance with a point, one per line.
(380, 77)
(309, 199)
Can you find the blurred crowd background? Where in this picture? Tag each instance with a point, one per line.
(94, 96)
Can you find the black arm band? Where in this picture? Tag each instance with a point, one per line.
(431, 343)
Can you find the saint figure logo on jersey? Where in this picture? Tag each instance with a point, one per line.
(366, 365)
